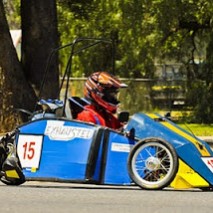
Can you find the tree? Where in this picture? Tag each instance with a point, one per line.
(186, 35)
(144, 32)
(15, 90)
(39, 37)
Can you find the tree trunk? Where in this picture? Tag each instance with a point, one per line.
(14, 90)
(39, 38)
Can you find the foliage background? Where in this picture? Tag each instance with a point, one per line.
(144, 33)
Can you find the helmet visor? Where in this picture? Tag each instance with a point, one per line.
(110, 96)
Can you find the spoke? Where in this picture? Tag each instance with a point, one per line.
(148, 152)
(156, 175)
(148, 176)
(165, 159)
(140, 158)
(141, 170)
(152, 176)
(163, 168)
(158, 151)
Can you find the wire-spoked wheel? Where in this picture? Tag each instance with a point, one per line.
(153, 163)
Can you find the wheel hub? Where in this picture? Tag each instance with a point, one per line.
(152, 163)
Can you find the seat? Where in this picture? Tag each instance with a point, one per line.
(76, 105)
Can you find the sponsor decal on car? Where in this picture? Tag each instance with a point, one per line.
(56, 130)
(121, 147)
(209, 162)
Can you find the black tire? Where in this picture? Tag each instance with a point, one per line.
(153, 163)
(206, 189)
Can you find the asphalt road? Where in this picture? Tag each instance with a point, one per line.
(45, 197)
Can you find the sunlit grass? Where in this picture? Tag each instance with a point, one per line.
(198, 129)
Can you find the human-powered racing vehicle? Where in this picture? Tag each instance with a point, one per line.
(151, 151)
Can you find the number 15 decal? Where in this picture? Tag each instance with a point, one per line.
(29, 150)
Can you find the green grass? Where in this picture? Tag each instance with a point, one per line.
(198, 129)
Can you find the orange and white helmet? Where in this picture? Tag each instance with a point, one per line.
(102, 88)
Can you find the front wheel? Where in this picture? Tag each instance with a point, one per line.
(152, 163)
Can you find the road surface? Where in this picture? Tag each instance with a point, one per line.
(45, 197)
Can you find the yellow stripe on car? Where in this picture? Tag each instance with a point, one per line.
(202, 150)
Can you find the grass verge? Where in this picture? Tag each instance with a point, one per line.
(198, 129)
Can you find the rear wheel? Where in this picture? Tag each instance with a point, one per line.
(153, 163)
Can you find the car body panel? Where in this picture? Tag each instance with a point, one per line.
(75, 151)
(191, 150)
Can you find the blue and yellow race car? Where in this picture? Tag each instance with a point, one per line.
(151, 151)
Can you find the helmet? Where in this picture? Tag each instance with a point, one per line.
(102, 88)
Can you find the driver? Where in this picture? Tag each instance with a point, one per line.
(101, 89)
